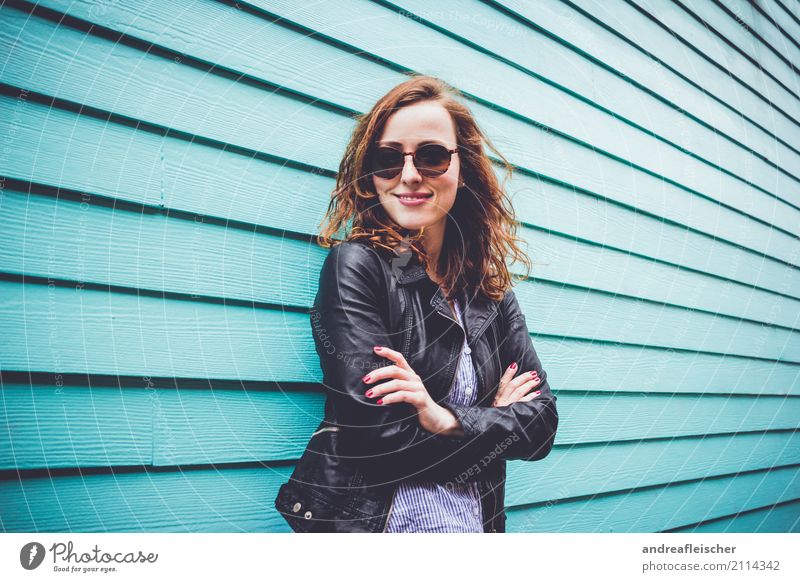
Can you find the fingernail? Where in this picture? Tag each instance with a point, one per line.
(377, 348)
(513, 365)
(366, 378)
(380, 400)
(368, 393)
(533, 373)
(538, 392)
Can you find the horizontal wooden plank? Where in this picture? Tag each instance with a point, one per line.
(186, 113)
(560, 209)
(107, 426)
(112, 246)
(573, 71)
(575, 471)
(738, 24)
(197, 178)
(574, 164)
(83, 330)
(75, 152)
(85, 320)
(202, 426)
(782, 518)
(127, 249)
(205, 500)
(611, 42)
(778, 11)
(660, 508)
(153, 25)
(64, 426)
(511, 89)
(716, 50)
(241, 500)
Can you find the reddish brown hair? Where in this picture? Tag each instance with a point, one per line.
(475, 249)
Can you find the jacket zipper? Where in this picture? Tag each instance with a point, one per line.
(458, 361)
(389, 514)
(492, 529)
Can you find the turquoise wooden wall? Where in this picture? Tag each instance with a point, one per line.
(166, 166)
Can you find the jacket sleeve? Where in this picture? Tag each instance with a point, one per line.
(348, 319)
(521, 430)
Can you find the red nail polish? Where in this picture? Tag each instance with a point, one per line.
(514, 366)
(533, 373)
(377, 348)
(538, 392)
(366, 378)
(368, 393)
(380, 400)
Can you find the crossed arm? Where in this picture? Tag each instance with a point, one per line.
(407, 430)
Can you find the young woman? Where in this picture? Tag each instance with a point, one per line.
(431, 377)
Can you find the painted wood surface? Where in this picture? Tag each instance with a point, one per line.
(167, 166)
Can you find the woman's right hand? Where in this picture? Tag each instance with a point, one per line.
(516, 389)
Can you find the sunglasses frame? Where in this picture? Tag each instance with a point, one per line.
(414, 161)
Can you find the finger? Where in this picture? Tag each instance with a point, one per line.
(387, 387)
(394, 356)
(507, 391)
(385, 372)
(413, 398)
(529, 397)
(524, 389)
(505, 379)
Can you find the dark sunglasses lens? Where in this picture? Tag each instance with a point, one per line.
(432, 160)
(387, 162)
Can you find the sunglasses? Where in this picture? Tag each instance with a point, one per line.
(430, 160)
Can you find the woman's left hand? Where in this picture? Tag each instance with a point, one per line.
(407, 387)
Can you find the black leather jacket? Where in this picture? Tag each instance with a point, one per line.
(346, 478)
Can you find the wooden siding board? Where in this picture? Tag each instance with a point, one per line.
(575, 471)
(109, 246)
(743, 23)
(783, 518)
(562, 312)
(58, 148)
(660, 508)
(612, 44)
(561, 65)
(205, 500)
(198, 178)
(588, 124)
(84, 330)
(212, 426)
(112, 246)
(58, 426)
(677, 397)
(715, 49)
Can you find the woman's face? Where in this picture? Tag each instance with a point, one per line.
(408, 128)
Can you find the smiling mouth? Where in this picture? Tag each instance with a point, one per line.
(412, 197)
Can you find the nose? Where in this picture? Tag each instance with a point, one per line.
(410, 173)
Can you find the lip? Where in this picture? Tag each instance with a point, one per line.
(421, 198)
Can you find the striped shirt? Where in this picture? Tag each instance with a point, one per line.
(426, 506)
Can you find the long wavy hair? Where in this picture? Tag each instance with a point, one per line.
(481, 231)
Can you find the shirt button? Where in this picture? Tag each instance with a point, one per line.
(296, 507)
(307, 515)
(467, 350)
